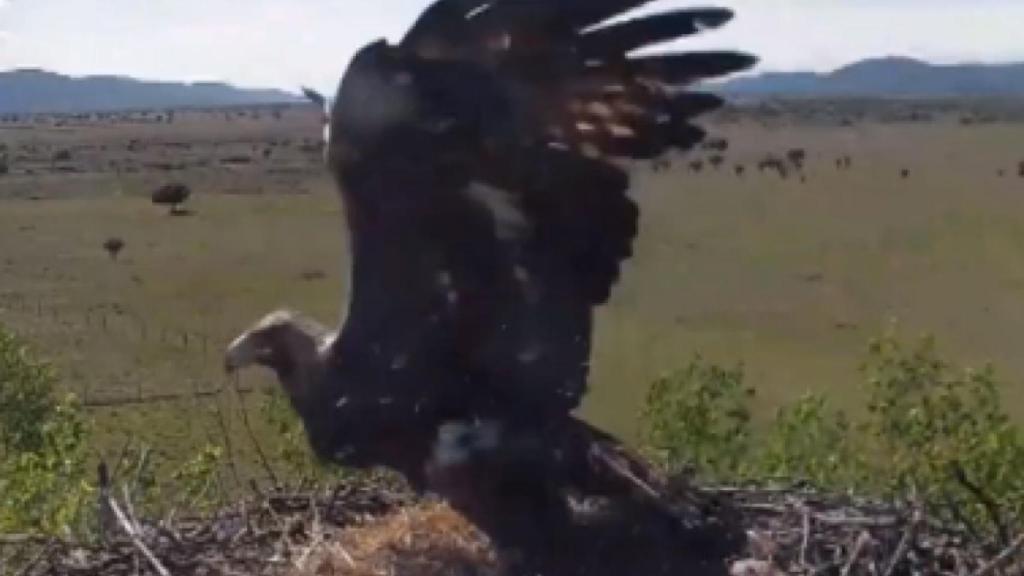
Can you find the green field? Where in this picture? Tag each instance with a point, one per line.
(792, 278)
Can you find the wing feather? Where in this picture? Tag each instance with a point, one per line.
(529, 103)
(618, 39)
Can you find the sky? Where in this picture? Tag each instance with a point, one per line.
(288, 43)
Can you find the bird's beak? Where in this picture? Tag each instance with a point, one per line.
(241, 353)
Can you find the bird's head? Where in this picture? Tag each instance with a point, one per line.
(288, 343)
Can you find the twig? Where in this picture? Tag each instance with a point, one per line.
(1005, 556)
(129, 508)
(105, 514)
(228, 446)
(862, 521)
(990, 506)
(34, 561)
(122, 456)
(19, 539)
(904, 546)
(965, 523)
(316, 537)
(136, 540)
(805, 540)
(858, 548)
(264, 461)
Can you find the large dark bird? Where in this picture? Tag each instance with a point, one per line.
(481, 167)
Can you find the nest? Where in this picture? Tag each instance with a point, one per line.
(380, 529)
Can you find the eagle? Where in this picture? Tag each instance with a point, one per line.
(483, 165)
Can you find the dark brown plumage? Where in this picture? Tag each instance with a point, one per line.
(488, 216)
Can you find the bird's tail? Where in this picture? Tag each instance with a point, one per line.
(614, 471)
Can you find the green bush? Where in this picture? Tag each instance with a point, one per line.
(699, 418)
(43, 442)
(942, 434)
(929, 432)
(198, 480)
(811, 442)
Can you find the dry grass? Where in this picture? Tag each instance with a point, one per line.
(424, 540)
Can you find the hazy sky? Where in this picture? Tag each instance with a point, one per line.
(285, 43)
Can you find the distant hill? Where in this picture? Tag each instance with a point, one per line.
(888, 77)
(33, 90)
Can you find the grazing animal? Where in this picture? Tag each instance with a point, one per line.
(716, 144)
(488, 217)
(796, 157)
(113, 247)
(173, 194)
(772, 162)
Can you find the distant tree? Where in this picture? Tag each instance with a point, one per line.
(696, 165)
(796, 157)
(62, 156)
(113, 246)
(5, 167)
(661, 164)
(905, 173)
(772, 162)
(172, 194)
(740, 169)
(716, 144)
(716, 161)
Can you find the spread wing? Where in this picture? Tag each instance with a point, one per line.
(489, 214)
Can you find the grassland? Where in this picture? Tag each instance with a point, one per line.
(790, 277)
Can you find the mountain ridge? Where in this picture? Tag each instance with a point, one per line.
(890, 76)
(34, 90)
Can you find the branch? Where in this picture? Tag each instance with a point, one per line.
(264, 461)
(228, 446)
(34, 561)
(1005, 556)
(904, 546)
(805, 540)
(990, 506)
(126, 525)
(862, 541)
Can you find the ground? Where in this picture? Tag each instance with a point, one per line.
(790, 276)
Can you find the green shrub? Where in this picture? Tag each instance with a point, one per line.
(811, 442)
(930, 432)
(699, 418)
(942, 433)
(198, 480)
(43, 441)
